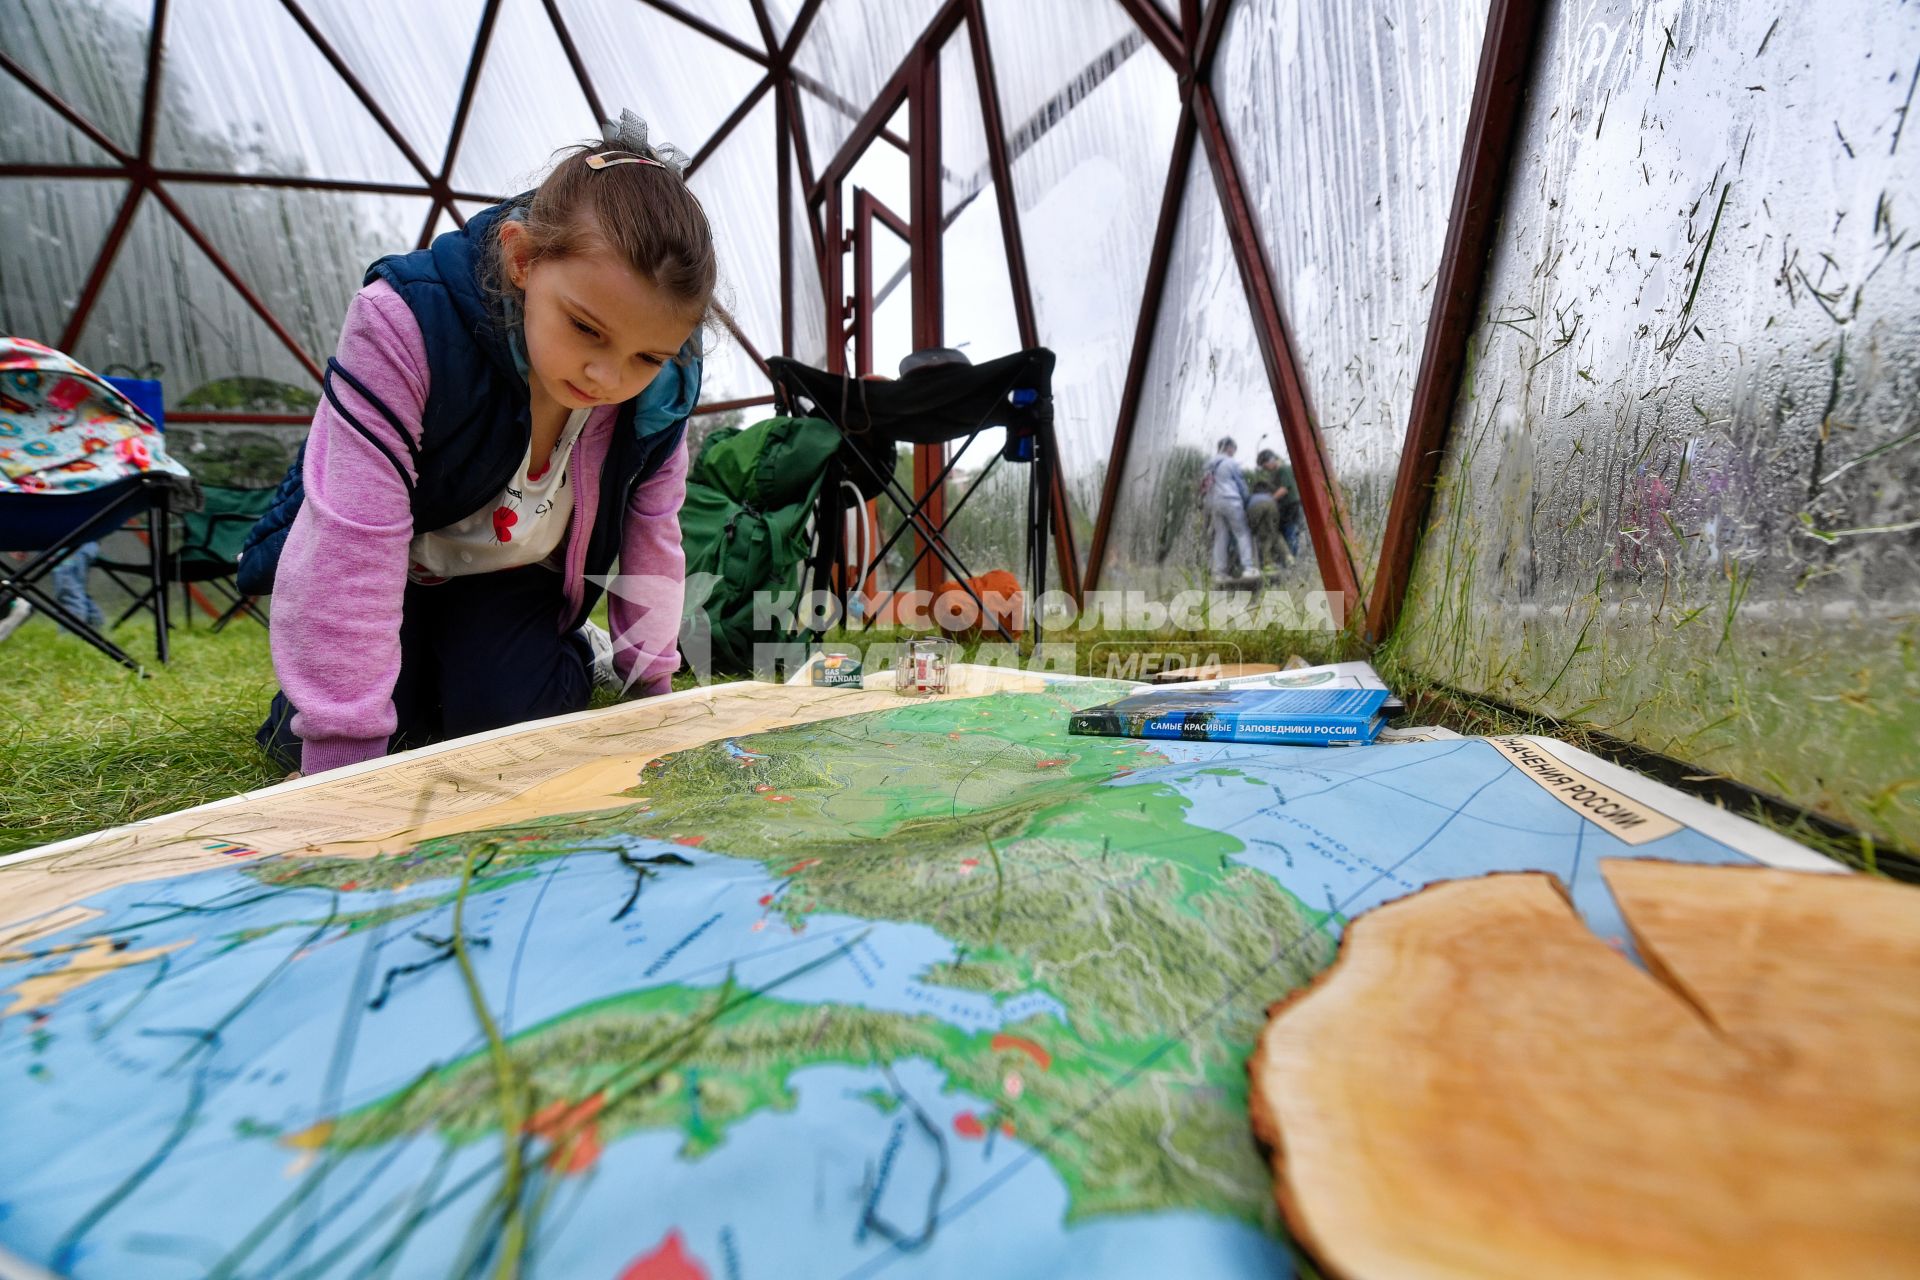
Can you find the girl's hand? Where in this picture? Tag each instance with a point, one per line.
(290, 777)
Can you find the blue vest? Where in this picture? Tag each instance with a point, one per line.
(477, 424)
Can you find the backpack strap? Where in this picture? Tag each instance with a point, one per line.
(334, 367)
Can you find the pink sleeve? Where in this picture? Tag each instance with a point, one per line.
(342, 578)
(645, 612)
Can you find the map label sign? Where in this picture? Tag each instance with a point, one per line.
(1631, 820)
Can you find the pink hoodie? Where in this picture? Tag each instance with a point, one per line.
(342, 576)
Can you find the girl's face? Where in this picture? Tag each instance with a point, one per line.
(597, 332)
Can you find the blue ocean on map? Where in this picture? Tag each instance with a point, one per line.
(141, 1119)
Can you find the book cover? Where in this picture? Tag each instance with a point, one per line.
(1334, 675)
(1317, 717)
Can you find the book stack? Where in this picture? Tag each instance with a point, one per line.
(1347, 708)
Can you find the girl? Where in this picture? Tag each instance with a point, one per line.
(504, 418)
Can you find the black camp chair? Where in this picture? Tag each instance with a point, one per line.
(53, 526)
(206, 552)
(933, 404)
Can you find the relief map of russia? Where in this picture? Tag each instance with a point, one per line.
(758, 982)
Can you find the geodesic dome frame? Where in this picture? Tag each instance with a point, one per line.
(1588, 327)
(774, 44)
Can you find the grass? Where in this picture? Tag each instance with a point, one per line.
(86, 744)
(1432, 703)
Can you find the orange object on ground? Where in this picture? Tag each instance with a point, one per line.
(999, 593)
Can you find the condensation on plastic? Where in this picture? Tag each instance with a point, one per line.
(1090, 112)
(245, 91)
(31, 132)
(809, 301)
(526, 105)
(1042, 51)
(850, 51)
(305, 278)
(737, 186)
(682, 83)
(1679, 498)
(44, 264)
(412, 61)
(964, 167)
(1204, 380)
(977, 311)
(987, 530)
(93, 53)
(1347, 118)
(164, 304)
(735, 17)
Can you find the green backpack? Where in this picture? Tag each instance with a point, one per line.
(750, 494)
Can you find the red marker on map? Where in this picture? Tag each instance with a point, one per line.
(573, 1130)
(1020, 1044)
(670, 1261)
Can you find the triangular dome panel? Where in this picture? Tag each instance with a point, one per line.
(682, 83)
(846, 58)
(31, 132)
(809, 299)
(1089, 154)
(1204, 379)
(308, 280)
(1044, 56)
(735, 17)
(736, 185)
(412, 61)
(98, 64)
(165, 304)
(526, 105)
(42, 274)
(243, 90)
(1352, 201)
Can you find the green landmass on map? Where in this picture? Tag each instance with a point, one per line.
(984, 820)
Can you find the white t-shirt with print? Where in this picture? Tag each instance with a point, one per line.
(524, 525)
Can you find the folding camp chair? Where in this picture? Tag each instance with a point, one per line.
(933, 404)
(54, 526)
(206, 552)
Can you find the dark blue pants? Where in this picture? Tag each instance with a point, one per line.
(476, 653)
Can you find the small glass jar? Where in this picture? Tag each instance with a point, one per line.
(925, 674)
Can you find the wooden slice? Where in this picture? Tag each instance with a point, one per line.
(1481, 1087)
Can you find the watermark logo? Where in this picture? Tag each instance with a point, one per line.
(1204, 623)
(960, 612)
(1143, 660)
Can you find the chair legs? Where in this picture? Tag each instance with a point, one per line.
(47, 604)
(244, 605)
(240, 605)
(25, 581)
(157, 545)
